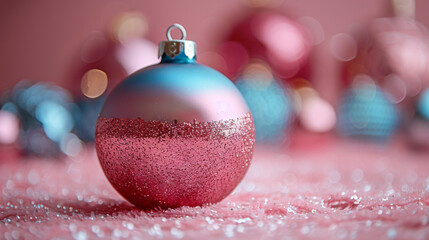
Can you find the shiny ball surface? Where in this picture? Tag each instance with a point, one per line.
(272, 37)
(175, 134)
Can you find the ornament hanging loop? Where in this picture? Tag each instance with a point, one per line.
(177, 50)
(178, 26)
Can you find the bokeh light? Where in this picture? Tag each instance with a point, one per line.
(317, 115)
(94, 83)
(314, 29)
(55, 118)
(44, 113)
(283, 39)
(128, 26)
(343, 47)
(9, 127)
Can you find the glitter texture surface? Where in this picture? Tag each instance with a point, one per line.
(341, 191)
(161, 164)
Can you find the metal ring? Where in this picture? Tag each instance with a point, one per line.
(178, 26)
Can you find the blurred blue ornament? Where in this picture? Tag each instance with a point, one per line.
(85, 115)
(365, 112)
(271, 107)
(423, 104)
(46, 121)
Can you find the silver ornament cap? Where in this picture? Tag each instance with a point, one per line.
(175, 50)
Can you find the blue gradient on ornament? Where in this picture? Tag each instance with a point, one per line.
(172, 91)
(271, 107)
(423, 104)
(365, 112)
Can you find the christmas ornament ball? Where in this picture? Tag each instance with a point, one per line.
(176, 133)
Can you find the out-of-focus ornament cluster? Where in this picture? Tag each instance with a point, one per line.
(265, 52)
(46, 120)
(271, 37)
(393, 53)
(38, 118)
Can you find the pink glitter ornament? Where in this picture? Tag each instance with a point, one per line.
(176, 133)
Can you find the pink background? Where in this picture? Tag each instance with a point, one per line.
(40, 39)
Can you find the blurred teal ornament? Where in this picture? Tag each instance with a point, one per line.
(423, 104)
(44, 111)
(365, 112)
(270, 104)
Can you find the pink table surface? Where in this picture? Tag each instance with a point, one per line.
(343, 190)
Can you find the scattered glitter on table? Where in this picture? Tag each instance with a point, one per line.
(343, 191)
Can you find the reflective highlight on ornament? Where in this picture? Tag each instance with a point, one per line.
(396, 88)
(71, 145)
(284, 40)
(94, 83)
(365, 112)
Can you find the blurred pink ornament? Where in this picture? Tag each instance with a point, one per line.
(272, 37)
(115, 53)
